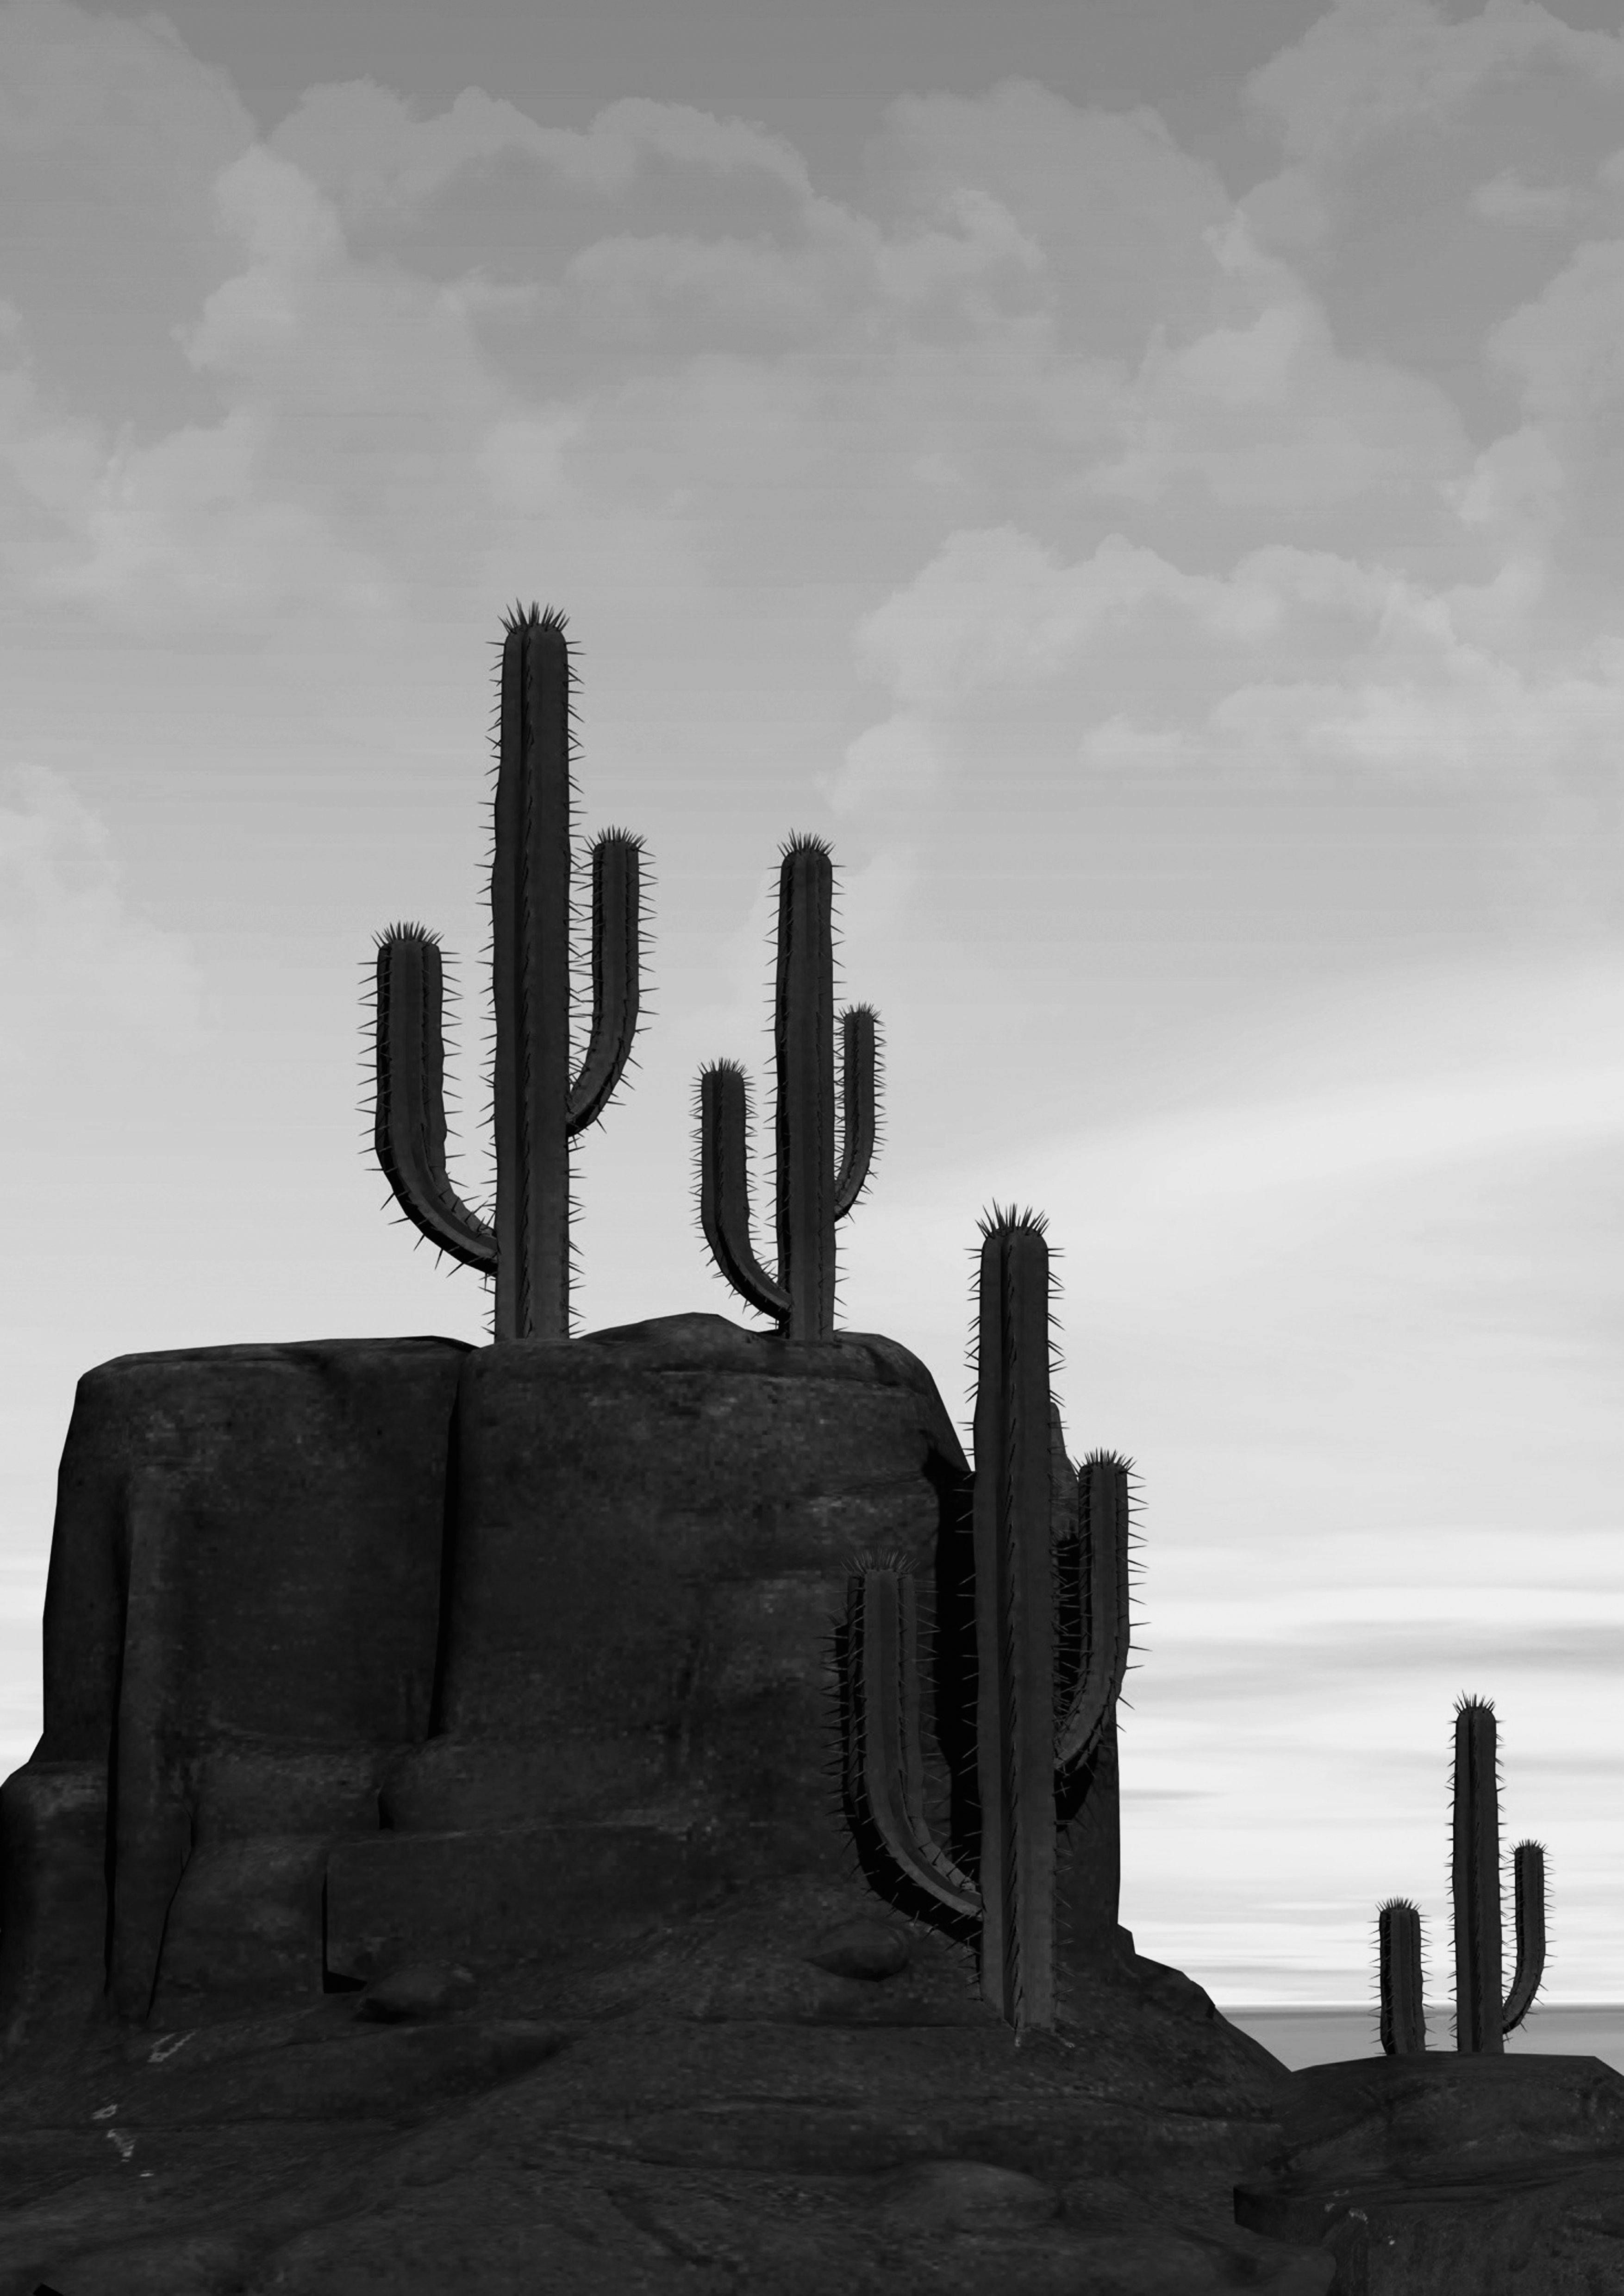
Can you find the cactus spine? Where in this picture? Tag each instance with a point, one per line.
(1041, 1714)
(536, 1108)
(812, 1194)
(1483, 2017)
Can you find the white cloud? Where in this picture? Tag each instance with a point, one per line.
(79, 966)
(1365, 68)
(1269, 413)
(1566, 347)
(1507, 198)
(897, 761)
(998, 607)
(362, 145)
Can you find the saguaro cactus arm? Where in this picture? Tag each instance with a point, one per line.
(858, 1099)
(1404, 2024)
(882, 1774)
(1099, 1557)
(724, 1165)
(617, 914)
(409, 1112)
(1528, 1861)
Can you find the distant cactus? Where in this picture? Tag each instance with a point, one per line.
(1482, 2017)
(536, 1109)
(813, 1194)
(1046, 1543)
(1404, 2023)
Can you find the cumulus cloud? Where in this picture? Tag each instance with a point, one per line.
(1367, 67)
(1507, 198)
(1269, 413)
(80, 964)
(1566, 347)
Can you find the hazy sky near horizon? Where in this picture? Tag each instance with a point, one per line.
(1144, 480)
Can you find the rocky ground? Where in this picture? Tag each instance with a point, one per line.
(786, 2093)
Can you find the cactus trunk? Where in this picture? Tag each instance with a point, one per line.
(1482, 2017)
(804, 1036)
(1476, 1881)
(537, 1109)
(1047, 1546)
(1015, 1626)
(530, 910)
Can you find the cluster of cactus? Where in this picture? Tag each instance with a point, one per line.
(813, 1191)
(537, 1107)
(1051, 1594)
(1484, 2015)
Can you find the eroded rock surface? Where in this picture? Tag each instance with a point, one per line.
(1452, 2174)
(459, 1732)
(701, 2117)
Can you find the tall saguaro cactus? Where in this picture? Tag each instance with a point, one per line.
(537, 1108)
(813, 1193)
(1482, 2016)
(1047, 1545)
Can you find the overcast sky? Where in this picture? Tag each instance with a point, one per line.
(1145, 480)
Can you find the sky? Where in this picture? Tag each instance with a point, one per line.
(1144, 482)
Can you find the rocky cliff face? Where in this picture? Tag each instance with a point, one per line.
(433, 1869)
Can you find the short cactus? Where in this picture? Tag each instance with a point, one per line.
(1404, 2021)
(536, 1109)
(1047, 1542)
(1483, 2017)
(813, 1193)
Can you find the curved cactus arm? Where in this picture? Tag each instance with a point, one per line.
(1403, 2023)
(1475, 1876)
(1014, 1625)
(858, 1102)
(1103, 1493)
(724, 1187)
(1528, 1860)
(884, 1777)
(409, 1117)
(617, 918)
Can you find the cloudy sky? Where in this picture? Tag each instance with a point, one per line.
(1145, 480)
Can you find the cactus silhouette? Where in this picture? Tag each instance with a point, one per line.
(1048, 1544)
(536, 1108)
(1403, 2023)
(1482, 2016)
(812, 1194)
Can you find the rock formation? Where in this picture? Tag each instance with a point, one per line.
(433, 1871)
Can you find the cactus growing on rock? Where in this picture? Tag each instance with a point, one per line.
(1482, 2016)
(1047, 1542)
(1404, 2023)
(536, 1108)
(812, 1194)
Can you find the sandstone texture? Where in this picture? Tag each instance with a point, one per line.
(708, 2108)
(433, 1871)
(1426, 2176)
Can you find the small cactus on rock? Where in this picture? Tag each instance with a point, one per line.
(813, 1192)
(1048, 1544)
(536, 1108)
(1404, 2021)
(1484, 2015)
